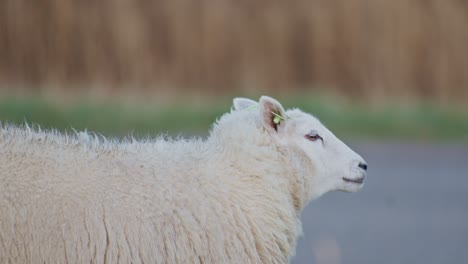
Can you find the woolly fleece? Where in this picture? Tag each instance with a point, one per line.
(234, 197)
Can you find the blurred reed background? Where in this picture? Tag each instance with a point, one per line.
(369, 49)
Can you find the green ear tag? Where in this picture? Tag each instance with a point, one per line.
(277, 120)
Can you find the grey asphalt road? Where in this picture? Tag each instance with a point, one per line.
(412, 209)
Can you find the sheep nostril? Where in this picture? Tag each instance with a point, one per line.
(363, 166)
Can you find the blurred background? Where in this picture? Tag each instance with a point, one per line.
(389, 77)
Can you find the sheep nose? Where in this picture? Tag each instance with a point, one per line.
(363, 166)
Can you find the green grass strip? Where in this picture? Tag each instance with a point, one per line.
(417, 121)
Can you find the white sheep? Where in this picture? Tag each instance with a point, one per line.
(234, 197)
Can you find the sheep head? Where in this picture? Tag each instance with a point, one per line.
(335, 165)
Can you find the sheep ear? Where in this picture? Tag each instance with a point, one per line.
(273, 114)
(243, 103)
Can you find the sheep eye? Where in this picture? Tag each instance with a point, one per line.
(313, 136)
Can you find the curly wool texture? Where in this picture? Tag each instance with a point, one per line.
(234, 197)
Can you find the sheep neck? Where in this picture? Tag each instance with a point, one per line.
(276, 189)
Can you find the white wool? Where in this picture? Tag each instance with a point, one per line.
(234, 197)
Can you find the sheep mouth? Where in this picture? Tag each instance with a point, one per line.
(356, 181)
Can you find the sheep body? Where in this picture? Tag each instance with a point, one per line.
(234, 197)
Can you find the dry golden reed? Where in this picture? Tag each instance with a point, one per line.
(366, 48)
